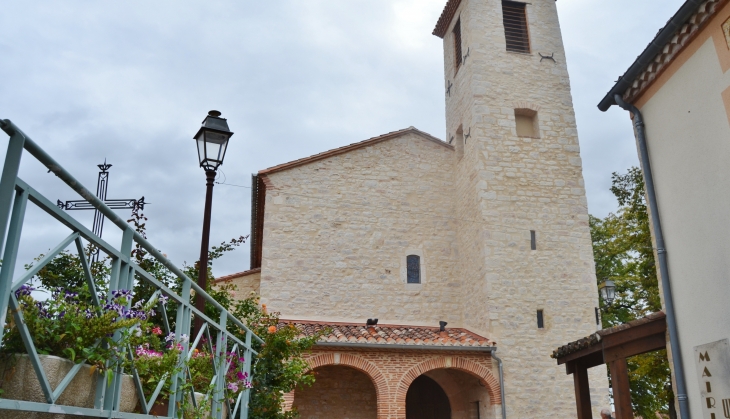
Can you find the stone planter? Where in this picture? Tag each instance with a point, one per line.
(19, 382)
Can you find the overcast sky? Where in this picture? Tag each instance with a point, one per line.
(130, 81)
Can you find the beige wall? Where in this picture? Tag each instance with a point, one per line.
(510, 185)
(688, 137)
(337, 231)
(245, 284)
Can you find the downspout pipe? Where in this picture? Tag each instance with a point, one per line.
(501, 383)
(662, 256)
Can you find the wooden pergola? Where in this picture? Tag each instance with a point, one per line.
(611, 346)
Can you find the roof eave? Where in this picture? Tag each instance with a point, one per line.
(407, 347)
(664, 36)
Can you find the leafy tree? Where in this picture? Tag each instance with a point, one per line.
(623, 253)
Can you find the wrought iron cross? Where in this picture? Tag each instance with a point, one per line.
(102, 184)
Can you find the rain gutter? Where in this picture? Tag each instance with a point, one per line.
(661, 256)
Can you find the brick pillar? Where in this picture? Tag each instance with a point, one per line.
(288, 400)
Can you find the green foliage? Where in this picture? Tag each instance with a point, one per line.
(66, 326)
(279, 367)
(622, 249)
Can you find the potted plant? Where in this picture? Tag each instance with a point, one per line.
(67, 330)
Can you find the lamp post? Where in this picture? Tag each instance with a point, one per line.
(212, 140)
(608, 291)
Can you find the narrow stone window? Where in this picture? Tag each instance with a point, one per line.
(598, 316)
(457, 43)
(514, 17)
(526, 123)
(459, 142)
(413, 267)
(540, 320)
(533, 240)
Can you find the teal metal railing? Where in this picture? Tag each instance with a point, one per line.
(15, 195)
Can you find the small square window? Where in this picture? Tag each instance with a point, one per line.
(526, 123)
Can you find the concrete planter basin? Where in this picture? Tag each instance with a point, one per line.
(19, 382)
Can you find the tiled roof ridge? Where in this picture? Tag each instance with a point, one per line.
(384, 334)
(681, 39)
(236, 275)
(447, 15)
(596, 337)
(353, 146)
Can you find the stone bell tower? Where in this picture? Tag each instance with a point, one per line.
(525, 253)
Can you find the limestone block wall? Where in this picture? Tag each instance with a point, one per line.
(337, 231)
(508, 185)
(246, 283)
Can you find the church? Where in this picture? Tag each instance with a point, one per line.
(445, 271)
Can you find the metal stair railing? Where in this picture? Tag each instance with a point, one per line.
(14, 197)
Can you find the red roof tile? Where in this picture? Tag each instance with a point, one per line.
(389, 334)
(446, 17)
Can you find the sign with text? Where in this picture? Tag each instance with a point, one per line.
(713, 371)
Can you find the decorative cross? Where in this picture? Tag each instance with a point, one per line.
(102, 184)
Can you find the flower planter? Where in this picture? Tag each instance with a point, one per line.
(19, 382)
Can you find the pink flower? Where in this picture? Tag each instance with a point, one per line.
(233, 387)
(156, 330)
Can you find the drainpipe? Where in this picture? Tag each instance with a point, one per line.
(501, 383)
(662, 256)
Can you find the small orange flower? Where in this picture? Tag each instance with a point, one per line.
(272, 329)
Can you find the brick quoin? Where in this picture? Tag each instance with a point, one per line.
(393, 371)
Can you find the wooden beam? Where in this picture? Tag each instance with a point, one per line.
(582, 392)
(643, 345)
(621, 389)
(654, 327)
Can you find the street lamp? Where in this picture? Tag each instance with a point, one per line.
(212, 140)
(608, 291)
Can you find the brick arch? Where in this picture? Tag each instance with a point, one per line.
(484, 374)
(360, 364)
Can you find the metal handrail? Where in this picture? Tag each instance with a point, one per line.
(14, 195)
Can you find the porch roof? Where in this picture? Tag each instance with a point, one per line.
(420, 336)
(594, 342)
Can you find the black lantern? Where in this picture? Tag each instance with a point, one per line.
(212, 141)
(608, 291)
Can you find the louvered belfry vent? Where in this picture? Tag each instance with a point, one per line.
(515, 26)
(457, 43)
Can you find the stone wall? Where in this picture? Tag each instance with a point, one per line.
(508, 185)
(246, 283)
(337, 231)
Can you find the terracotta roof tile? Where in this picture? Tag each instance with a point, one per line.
(389, 334)
(595, 338)
(447, 15)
